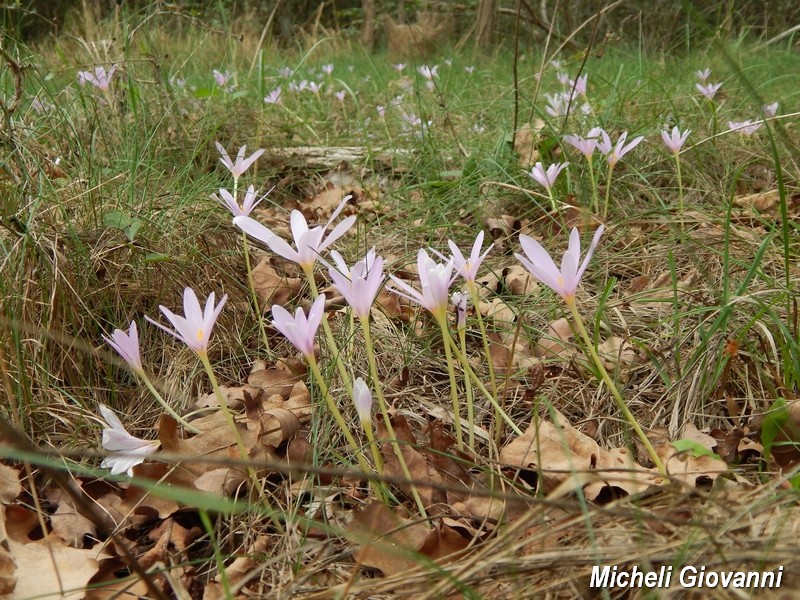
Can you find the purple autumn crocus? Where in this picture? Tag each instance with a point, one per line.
(300, 329)
(435, 279)
(251, 200)
(127, 346)
(127, 450)
(241, 164)
(193, 329)
(547, 178)
(675, 140)
(100, 78)
(620, 149)
(310, 243)
(770, 110)
(468, 267)
(708, 90)
(563, 281)
(359, 285)
(222, 77)
(362, 398)
(274, 97)
(585, 146)
(746, 128)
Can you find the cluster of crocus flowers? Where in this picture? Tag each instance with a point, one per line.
(100, 79)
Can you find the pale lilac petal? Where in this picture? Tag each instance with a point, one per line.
(254, 229)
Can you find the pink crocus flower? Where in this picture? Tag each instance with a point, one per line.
(770, 110)
(428, 72)
(563, 78)
(546, 178)
(222, 78)
(585, 146)
(676, 139)
(579, 86)
(703, 75)
(468, 268)
(621, 149)
(435, 279)
(274, 97)
(563, 281)
(100, 78)
(193, 329)
(128, 451)
(314, 87)
(340, 95)
(470, 69)
(127, 346)
(285, 72)
(381, 110)
(360, 285)
(309, 243)
(327, 69)
(708, 90)
(747, 127)
(399, 67)
(362, 398)
(299, 329)
(250, 201)
(241, 164)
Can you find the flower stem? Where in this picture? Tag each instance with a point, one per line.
(473, 293)
(441, 318)
(462, 338)
(492, 400)
(680, 191)
(251, 285)
(337, 416)
(373, 369)
(608, 189)
(613, 388)
(188, 426)
(594, 185)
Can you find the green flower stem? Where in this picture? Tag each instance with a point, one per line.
(613, 388)
(373, 446)
(252, 286)
(337, 416)
(479, 384)
(462, 338)
(226, 411)
(373, 369)
(608, 189)
(223, 405)
(334, 348)
(680, 190)
(188, 426)
(441, 318)
(476, 300)
(594, 185)
(552, 197)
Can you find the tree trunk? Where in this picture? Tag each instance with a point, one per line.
(368, 30)
(487, 16)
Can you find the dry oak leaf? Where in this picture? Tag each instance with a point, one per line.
(519, 281)
(10, 486)
(659, 293)
(526, 141)
(694, 470)
(273, 288)
(556, 342)
(498, 311)
(67, 522)
(388, 542)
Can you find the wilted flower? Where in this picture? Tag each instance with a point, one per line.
(468, 268)
(194, 329)
(770, 110)
(99, 79)
(128, 450)
(676, 139)
(563, 281)
(708, 90)
(127, 346)
(310, 243)
(250, 201)
(362, 398)
(435, 279)
(547, 178)
(274, 97)
(745, 127)
(238, 167)
(459, 300)
(360, 285)
(703, 75)
(299, 329)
